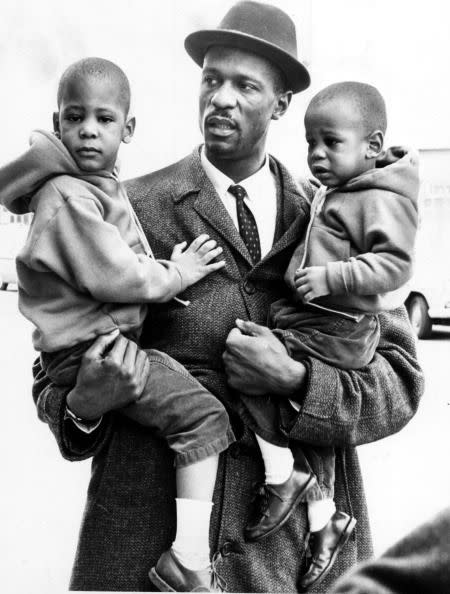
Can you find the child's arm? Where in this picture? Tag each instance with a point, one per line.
(84, 250)
(382, 226)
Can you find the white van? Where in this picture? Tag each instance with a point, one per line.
(429, 300)
(13, 233)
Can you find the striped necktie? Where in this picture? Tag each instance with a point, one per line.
(247, 224)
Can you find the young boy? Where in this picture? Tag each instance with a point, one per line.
(352, 264)
(87, 269)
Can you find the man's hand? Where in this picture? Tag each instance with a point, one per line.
(108, 381)
(311, 282)
(257, 363)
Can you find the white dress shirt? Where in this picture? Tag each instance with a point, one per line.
(261, 198)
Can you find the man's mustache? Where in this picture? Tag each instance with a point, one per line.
(220, 118)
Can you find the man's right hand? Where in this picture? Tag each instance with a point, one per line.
(108, 380)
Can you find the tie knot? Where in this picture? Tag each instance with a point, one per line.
(238, 191)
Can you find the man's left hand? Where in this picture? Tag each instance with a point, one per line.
(257, 363)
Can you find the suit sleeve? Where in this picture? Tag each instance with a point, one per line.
(382, 226)
(89, 253)
(353, 407)
(50, 401)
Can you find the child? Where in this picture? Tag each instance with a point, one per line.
(86, 270)
(352, 264)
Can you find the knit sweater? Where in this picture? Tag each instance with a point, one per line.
(84, 270)
(363, 233)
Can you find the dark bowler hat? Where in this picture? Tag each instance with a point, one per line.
(259, 28)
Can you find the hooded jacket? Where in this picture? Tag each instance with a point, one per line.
(85, 269)
(363, 233)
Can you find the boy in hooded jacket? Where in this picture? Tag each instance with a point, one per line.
(353, 262)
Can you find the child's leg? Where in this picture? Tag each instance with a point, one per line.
(278, 461)
(196, 427)
(330, 529)
(195, 487)
(286, 485)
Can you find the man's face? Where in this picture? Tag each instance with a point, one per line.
(337, 142)
(237, 101)
(92, 122)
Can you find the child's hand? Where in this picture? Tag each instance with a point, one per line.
(311, 282)
(195, 262)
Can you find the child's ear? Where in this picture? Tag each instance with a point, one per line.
(56, 128)
(128, 130)
(375, 144)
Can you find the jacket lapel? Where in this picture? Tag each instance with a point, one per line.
(292, 212)
(292, 215)
(208, 205)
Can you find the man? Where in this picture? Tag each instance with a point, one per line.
(250, 69)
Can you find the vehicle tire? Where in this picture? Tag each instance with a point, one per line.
(418, 315)
(4, 286)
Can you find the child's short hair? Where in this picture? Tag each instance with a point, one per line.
(366, 98)
(97, 68)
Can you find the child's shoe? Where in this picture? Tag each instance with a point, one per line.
(275, 504)
(169, 575)
(325, 546)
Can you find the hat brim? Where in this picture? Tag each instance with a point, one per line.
(197, 44)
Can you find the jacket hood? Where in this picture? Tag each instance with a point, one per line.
(400, 177)
(47, 157)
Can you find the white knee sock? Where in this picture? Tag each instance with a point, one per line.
(319, 513)
(278, 461)
(191, 544)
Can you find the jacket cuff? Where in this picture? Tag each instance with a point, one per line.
(336, 278)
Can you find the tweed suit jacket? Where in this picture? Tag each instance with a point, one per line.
(130, 511)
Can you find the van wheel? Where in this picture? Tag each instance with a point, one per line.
(4, 286)
(417, 309)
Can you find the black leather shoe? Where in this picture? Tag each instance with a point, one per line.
(325, 546)
(274, 504)
(169, 575)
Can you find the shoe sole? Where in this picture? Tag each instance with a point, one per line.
(308, 485)
(341, 544)
(159, 582)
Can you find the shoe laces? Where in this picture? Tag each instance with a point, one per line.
(218, 583)
(261, 497)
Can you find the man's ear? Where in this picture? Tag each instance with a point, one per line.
(375, 144)
(128, 130)
(56, 128)
(282, 105)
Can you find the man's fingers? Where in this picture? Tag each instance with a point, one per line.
(129, 357)
(116, 354)
(251, 329)
(98, 348)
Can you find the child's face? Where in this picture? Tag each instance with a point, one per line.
(92, 122)
(338, 145)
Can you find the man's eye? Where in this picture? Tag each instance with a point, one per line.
(311, 143)
(210, 81)
(247, 86)
(73, 117)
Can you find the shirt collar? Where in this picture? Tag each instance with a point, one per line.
(222, 182)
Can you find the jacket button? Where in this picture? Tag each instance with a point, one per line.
(249, 287)
(227, 548)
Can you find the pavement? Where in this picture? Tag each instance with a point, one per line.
(43, 495)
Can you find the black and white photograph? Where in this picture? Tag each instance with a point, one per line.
(225, 296)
